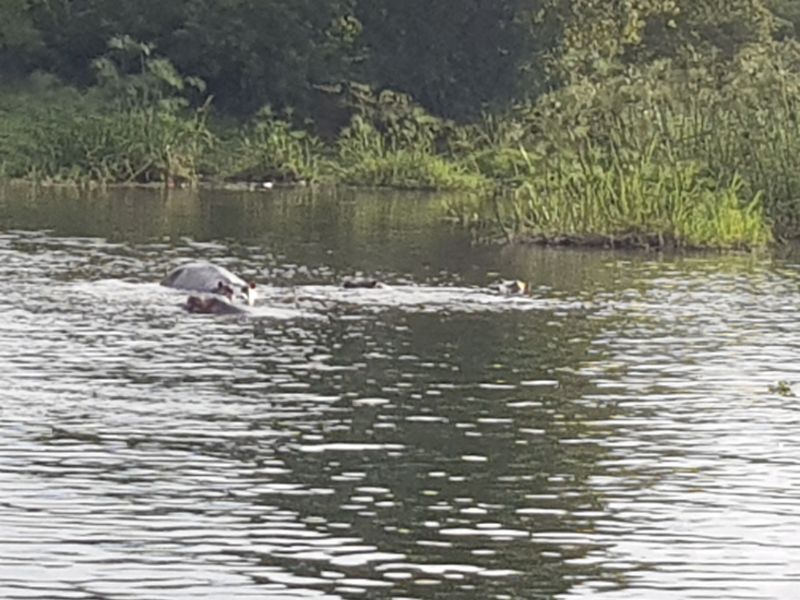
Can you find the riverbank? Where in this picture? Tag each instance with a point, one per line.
(671, 154)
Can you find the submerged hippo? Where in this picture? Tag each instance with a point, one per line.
(211, 279)
(512, 287)
(352, 283)
(211, 305)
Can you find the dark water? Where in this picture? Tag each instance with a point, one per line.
(614, 436)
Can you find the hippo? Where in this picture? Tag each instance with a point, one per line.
(512, 287)
(211, 305)
(352, 283)
(211, 279)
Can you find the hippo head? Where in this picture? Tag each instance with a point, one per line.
(195, 304)
(225, 290)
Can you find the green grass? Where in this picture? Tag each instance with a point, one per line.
(648, 205)
(670, 154)
(366, 156)
(267, 149)
(76, 138)
(409, 169)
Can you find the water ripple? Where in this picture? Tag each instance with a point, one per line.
(620, 433)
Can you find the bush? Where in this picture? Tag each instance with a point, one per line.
(131, 127)
(269, 149)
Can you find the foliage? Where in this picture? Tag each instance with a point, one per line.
(250, 52)
(640, 203)
(18, 37)
(257, 52)
(664, 121)
(368, 157)
(717, 129)
(737, 118)
(598, 35)
(392, 141)
(456, 57)
(131, 127)
(269, 149)
(16, 28)
(755, 117)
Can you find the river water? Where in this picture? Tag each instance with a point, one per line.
(619, 434)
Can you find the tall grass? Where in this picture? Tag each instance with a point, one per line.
(134, 145)
(268, 148)
(368, 157)
(130, 127)
(643, 203)
(689, 152)
(692, 151)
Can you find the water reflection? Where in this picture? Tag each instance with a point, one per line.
(615, 433)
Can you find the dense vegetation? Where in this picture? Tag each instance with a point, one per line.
(651, 122)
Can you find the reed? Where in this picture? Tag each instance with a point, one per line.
(647, 204)
(691, 151)
(125, 146)
(368, 157)
(268, 148)
(127, 128)
(680, 153)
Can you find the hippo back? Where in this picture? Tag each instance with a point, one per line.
(201, 277)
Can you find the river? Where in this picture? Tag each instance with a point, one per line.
(617, 434)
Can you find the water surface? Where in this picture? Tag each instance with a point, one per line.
(616, 435)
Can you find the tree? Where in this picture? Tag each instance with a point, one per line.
(457, 56)
(257, 52)
(17, 34)
(638, 31)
